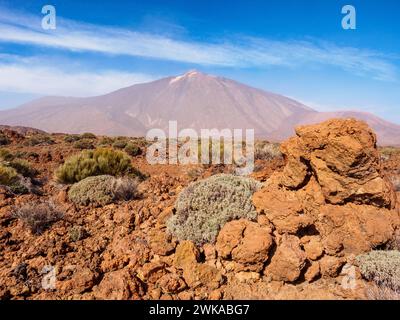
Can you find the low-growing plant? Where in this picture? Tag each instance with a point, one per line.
(70, 138)
(103, 190)
(120, 144)
(39, 139)
(102, 161)
(84, 144)
(23, 167)
(8, 176)
(382, 267)
(264, 150)
(88, 135)
(387, 152)
(4, 140)
(20, 154)
(195, 173)
(132, 149)
(206, 205)
(396, 182)
(106, 141)
(6, 155)
(77, 233)
(38, 216)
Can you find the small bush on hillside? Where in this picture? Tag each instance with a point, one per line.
(94, 163)
(106, 141)
(206, 205)
(132, 149)
(88, 135)
(77, 233)
(4, 140)
(396, 182)
(20, 154)
(382, 267)
(120, 144)
(195, 173)
(6, 155)
(8, 176)
(84, 144)
(23, 167)
(266, 151)
(102, 190)
(387, 152)
(38, 216)
(39, 139)
(72, 138)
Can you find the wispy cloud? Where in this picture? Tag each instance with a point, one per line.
(233, 52)
(25, 75)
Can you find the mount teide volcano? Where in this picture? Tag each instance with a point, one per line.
(195, 100)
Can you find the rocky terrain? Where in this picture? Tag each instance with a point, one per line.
(330, 197)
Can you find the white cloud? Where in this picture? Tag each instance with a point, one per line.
(234, 52)
(39, 80)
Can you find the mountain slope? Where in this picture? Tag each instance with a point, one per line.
(195, 100)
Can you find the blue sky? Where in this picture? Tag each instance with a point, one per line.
(293, 47)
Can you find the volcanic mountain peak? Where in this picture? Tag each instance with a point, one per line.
(190, 75)
(194, 99)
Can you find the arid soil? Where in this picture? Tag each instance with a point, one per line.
(330, 198)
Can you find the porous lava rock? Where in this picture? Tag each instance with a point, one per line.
(331, 200)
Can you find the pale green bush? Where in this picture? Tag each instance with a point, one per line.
(206, 205)
(102, 190)
(382, 267)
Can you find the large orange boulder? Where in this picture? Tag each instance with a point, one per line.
(331, 201)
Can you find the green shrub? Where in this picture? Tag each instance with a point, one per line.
(84, 144)
(106, 141)
(382, 267)
(102, 190)
(120, 144)
(4, 140)
(72, 138)
(39, 139)
(88, 135)
(206, 205)
(6, 155)
(23, 167)
(16, 183)
(20, 154)
(38, 216)
(8, 176)
(132, 149)
(94, 163)
(77, 233)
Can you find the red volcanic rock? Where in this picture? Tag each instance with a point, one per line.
(331, 200)
(246, 243)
